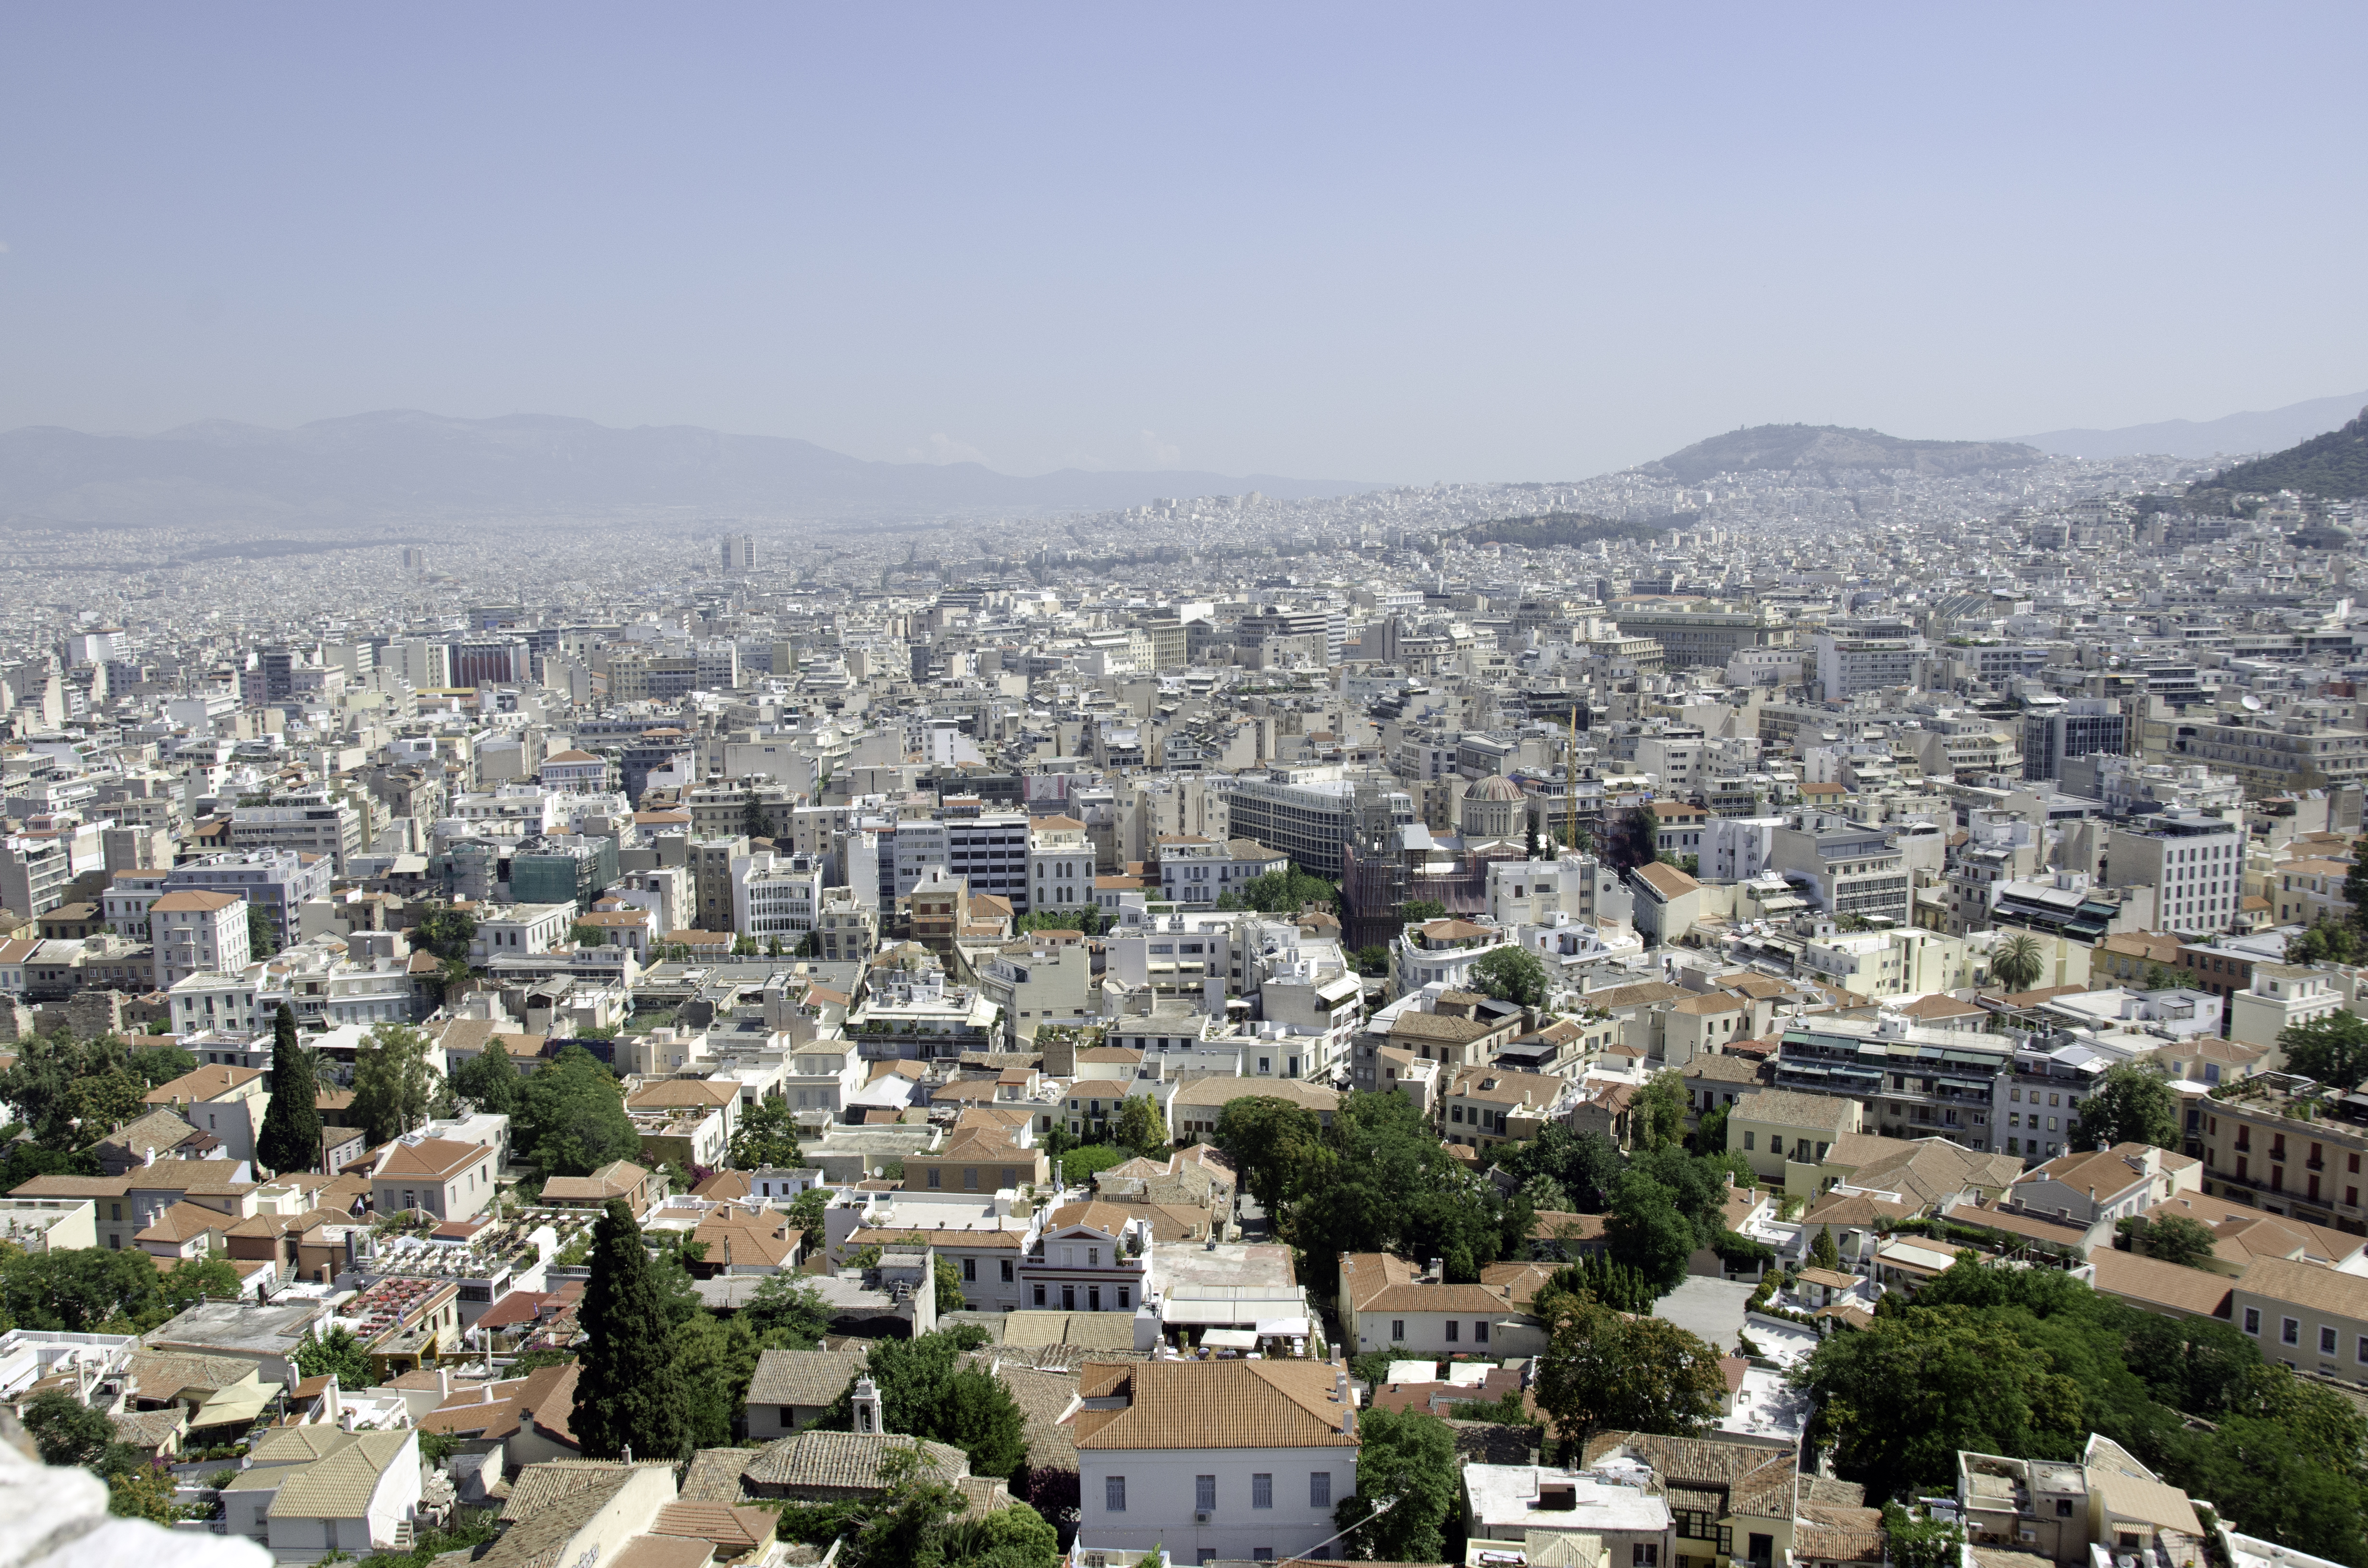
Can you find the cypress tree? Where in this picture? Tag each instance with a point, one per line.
(290, 1140)
(628, 1392)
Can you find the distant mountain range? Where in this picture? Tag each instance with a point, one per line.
(2234, 434)
(406, 464)
(1823, 447)
(2334, 465)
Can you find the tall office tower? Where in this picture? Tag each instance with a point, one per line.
(739, 552)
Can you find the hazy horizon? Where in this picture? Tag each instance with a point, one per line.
(1371, 244)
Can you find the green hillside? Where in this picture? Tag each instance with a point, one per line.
(2334, 465)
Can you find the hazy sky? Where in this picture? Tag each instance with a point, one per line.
(1448, 242)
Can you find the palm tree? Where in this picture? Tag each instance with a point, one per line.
(2018, 962)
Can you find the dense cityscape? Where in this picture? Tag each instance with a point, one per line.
(1758, 1011)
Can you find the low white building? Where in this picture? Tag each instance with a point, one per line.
(1230, 1458)
(519, 930)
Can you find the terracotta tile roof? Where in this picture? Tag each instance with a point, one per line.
(544, 1399)
(339, 1486)
(842, 1460)
(436, 1157)
(732, 1530)
(1211, 1404)
(2308, 1285)
(683, 1092)
(2150, 1282)
(803, 1377)
(209, 1081)
(185, 1222)
(1758, 1481)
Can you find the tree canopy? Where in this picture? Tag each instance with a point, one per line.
(571, 1116)
(927, 1391)
(2017, 963)
(2332, 1050)
(290, 1139)
(768, 1135)
(489, 1080)
(101, 1291)
(1409, 1455)
(2029, 1361)
(1606, 1371)
(630, 1392)
(2130, 1104)
(395, 1088)
(1512, 974)
(1287, 892)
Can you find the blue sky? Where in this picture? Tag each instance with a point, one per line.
(1356, 242)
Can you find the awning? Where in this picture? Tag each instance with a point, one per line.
(1283, 1328)
(1231, 1339)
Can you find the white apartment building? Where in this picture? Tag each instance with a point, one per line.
(990, 851)
(1060, 865)
(1037, 981)
(195, 931)
(208, 1002)
(1196, 871)
(519, 930)
(1235, 1459)
(124, 903)
(776, 895)
(2281, 996)
(2195, 862)
(332, 828)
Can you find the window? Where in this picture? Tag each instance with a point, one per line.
(1007, 1271)
(1114, 1494)
(2064, 1507)
(1480, 1331)
(1644, 1554)
(934, 1175)
(1747, 1138)
(1397, 1328)
(1262, 1489)
(970, 1271)
(1040, 1295)
(1319, 1483)
(1452, 1326)
(2252, 1319)
(2289, 1331)
(1204, 1494)
(2327, 1342)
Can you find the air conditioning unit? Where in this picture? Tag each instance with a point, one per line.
(1201, 1517)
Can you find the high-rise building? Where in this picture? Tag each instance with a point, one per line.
(739, 552)
(2079, 727)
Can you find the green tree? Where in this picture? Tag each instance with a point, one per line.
(1288, 891)
(2326, 941)
(630, 1393)
(571, 1116)
(1659, 1110)
(1635, 840)
(1512, 974)
(290, 1139)
(2173, 1238)
(1708, 1136)
(768, 1136)
(2131, 1104)
(1419, 911)
(1371, 963)
(1913, 1540)
(137, 1489)
(753, 820)
(446, 932)
(1016, 1537)
(1409, 1455)
(67, 1431)
(927, 1391)
(1615, 1285)
(337, 1351)
(1823, 1252)
(2356, 887)
(712, 1360)
(1603, 1371)
(1901, 1397)
(786, 1312)
(1582, 1164)
(1266, 1139)
(2332, 1050)
(1382, 1181)
(1139, 1125)
(262, 932)
(394, 1086)
(1645, 1230)
(489, 1080)
(83, 1291)
(195, 1279)
(2018, 961)
(949, 1290)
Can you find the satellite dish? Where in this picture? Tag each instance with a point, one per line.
(2252, 703)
